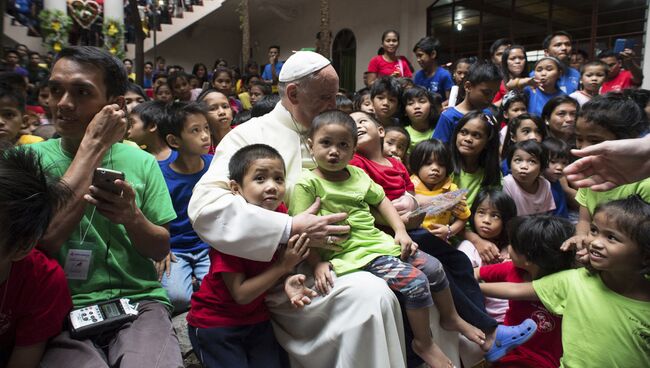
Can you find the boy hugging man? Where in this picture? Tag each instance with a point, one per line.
(184, 127)
(229, 322)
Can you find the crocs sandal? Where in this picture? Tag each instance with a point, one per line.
(509, 337)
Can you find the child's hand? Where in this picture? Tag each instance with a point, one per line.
(580, 244)
(413, 222)
(404, 204)
(531, 82)
(440, 231)
(299, 294)
(409, 247)
(488, 251)
(459, 208)
(323, 276)
(296, 251)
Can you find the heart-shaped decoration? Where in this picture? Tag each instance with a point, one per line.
(84, 12)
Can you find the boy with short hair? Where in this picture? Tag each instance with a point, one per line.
(12, 63)
(13, 118)
(184, 127)
(618, 78)
(559, 157)
(433, 78)
(273, 68)
(229, 322)
(34, 295)
(143, 131)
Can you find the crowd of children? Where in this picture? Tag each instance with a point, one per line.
(577, 261)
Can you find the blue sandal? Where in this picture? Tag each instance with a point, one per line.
(509, 337)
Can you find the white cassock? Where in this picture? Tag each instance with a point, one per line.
(359, 324)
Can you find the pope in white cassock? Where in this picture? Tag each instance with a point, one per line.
(358, 324)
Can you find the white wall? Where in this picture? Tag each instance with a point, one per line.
(199, 43)
(293, 24)
(367, 19)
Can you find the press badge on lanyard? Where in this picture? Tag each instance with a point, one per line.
(78, 261)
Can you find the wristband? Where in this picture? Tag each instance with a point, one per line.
(448, 232)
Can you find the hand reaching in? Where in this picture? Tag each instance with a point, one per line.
(296, 251)
(488, 251)
(299, 294)
(323, 278)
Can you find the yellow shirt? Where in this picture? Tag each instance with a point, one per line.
(442, 218)
(245, 99)
(28, 139)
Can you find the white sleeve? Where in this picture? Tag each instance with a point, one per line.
(226, 221)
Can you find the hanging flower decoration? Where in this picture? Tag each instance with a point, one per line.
(114, 37)
(55, 28)
(84, 12)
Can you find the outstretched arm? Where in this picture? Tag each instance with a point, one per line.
(509, 290)
(611, 163)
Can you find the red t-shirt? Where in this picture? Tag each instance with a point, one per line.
(502, 92)
(382, 67)
(622, 81)
(394, 179)
(35, 301)
(543, 350)
(213, 306)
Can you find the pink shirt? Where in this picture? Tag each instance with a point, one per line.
(527, 203)
(382, 67)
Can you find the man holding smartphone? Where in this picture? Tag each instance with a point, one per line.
(105, 239)
(618, 78)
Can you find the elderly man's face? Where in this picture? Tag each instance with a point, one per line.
(317, 95)
(77, 93)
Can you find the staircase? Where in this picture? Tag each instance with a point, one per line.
(18, 32)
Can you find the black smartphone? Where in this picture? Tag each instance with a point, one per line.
(105, 179)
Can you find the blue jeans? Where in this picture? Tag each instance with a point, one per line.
(179, 283)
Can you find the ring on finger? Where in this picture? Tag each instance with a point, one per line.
(329, 240)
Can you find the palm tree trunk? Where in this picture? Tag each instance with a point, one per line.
(325, 35)
(246, 31)
(135, 20)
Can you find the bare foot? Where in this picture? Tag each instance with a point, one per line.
(489, 340)
(458, 324)
(431, 354)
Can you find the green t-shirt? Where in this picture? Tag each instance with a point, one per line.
(471, 182)
(417, 136)
(116, 268)
(353, 196)
(600, 328)
(590, 199)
